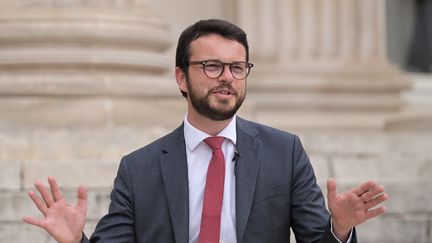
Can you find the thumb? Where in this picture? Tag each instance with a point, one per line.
(331, 188)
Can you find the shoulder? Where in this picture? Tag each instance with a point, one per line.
(271, 139)
(156, 148)
(263, 131)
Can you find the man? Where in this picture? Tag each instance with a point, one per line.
(218, 177)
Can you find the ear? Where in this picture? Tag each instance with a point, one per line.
(181, 79)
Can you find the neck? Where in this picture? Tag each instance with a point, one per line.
(207, 125)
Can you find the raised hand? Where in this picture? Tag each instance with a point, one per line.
(355, 206)
(65, 223)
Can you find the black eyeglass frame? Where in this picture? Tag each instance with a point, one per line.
(230, 64)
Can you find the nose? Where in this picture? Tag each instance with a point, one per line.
(226, 76)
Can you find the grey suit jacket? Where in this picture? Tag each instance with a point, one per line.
(275, 190)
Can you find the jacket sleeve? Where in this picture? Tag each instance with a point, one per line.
(118, 225)
(310, 218)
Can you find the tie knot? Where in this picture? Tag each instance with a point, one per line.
(214, 143)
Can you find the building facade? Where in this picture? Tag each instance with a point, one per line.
(83, 82)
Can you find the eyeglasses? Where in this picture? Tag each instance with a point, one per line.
(215, 68)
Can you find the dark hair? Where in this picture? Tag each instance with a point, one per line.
(202, 28)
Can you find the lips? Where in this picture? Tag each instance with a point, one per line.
(224, 91)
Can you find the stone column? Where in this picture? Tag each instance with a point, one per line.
(83, 55)
(321, 59)
(82, 83)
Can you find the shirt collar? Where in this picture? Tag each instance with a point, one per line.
(194, 136)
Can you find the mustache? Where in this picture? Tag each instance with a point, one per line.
(224, 87)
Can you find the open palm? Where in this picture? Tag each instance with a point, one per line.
(355, 206)
(65, 223)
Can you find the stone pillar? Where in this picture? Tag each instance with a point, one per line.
(82, 83)
(320, 64)
(62, 59)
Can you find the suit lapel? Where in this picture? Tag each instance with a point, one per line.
(246, 173)
(175, 178)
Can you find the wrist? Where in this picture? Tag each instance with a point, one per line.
(341, 231)
(79, 239)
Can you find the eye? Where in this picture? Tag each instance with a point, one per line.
(213, 66)
(238, 67)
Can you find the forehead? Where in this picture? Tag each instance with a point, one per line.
(214, 46)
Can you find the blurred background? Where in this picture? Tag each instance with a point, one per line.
(83, 82)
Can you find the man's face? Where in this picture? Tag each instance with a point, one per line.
(214, 98)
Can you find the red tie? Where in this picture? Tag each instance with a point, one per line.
(213, 195)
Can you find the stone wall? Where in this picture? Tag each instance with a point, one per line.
(399, 160)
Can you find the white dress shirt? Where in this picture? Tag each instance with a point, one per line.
(198, 157)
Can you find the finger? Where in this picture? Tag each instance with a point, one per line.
(371, 194)
(365, 187)
(375, 212)
(380, 199)
(55, 189)
(46, 196)
(38, 202)
(331, 188)
(33, 221)
(355, 200)
(82, 198)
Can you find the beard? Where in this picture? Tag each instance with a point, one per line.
(223, 112)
